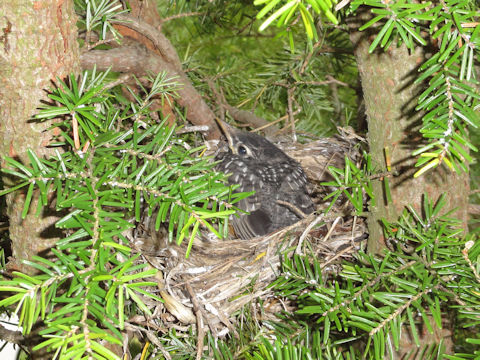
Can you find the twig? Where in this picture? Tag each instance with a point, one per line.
(198, 314)
(309, 56)
(368, 285)
(292, 207)
(76, 139)
(335, 222)
(310, 226)
(353, 228)
(190, 129)
(401, 309)
(178, 16)
(296, 112)
(99, 42)
(122, 79)
(341, 5)
(286, 126)
(223, 318)
(336, 256)
(154, 340)
(331, 80)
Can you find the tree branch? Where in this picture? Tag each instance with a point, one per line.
(139, 61)
(158, 40)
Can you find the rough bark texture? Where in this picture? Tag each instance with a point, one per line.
(390, 98)
(38, 44)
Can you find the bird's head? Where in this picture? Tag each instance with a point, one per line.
(251, 146)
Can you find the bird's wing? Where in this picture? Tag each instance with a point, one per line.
(285, 176)
(257, 223)
(240, 174)
(290, 181)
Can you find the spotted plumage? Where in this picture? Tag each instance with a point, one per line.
(279, 183)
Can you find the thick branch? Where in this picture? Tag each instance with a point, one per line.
(139, 61)
(158, 40)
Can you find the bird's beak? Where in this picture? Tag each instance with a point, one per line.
(228, 131)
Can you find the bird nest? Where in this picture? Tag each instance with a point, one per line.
(221, 276)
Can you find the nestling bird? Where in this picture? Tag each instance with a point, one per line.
(279, 183)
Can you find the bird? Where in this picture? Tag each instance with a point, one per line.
(279, 183)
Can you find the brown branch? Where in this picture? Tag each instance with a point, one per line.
(293, 208)
(139, 61)
(291, 117)
(159, 41)
(199, 315)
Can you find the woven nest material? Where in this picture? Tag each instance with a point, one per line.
(212, 281)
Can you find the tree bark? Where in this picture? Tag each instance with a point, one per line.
(38, 44)
(390, 100)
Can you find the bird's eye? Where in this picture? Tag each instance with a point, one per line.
(242, 150)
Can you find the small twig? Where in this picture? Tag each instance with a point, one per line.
(353, 228)
(219, 98)
(223, 318)
(341, 5)
(335, 222)
(470, 24)
(99, 42)
(286, 127)
(121, 80)
(336, 256)
(290, 111)
(292, 207)
(331, 80)
(368, 285)
(76, 139)
(178, 16)
(86, 146)
(381, 175)
(154, 340)
(296, 112)
(190, 129)
(318, 44)
(310, 226)
(200, 326)
(401, 309)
